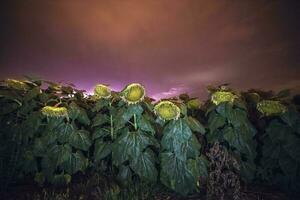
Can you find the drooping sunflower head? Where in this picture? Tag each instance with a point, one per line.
(167, 110)
(194, 104)
(102, 91)
(222, 96)
(16, 84)
(51, 111)
(271, 107)
(133, 93)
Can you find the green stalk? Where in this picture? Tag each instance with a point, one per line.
(134, 119)
(111, 124)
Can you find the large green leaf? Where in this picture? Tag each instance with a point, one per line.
(64, 131)
(198, 167)
(176, 175)
(195, 125)
(126, 113)
(215, 121)
(100, 132)
(76, 112)
(75, 162)
(129, 146)
(102, 149)
(175, 139)
(100, 119)
(80, 139)
(124, 174)
(145, 125)
(144, 166)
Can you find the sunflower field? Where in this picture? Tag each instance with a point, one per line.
(53, 135)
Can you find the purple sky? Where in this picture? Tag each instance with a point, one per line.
(170, 46)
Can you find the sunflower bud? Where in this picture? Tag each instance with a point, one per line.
(222, 96)
(52, 111)
(270, 107)
(133, 93)
(194, 104)
(102, 91)
(167, 110)
(16, 84)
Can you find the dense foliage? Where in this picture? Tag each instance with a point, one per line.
(51, 132)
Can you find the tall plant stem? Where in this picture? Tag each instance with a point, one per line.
(134, 119)
(111, 124)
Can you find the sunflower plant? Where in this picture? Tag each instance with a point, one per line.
(229, 125)
(182, 165)
(280, 138)
(124, 135)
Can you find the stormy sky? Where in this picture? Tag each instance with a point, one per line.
(170, 46)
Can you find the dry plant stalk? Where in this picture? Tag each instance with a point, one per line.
(224, 175)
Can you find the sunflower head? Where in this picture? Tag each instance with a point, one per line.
(51, 111)
(167, 110)
(102, 91)
(270, 107)
(133, 93)
(16, 84)
(194, 104)
(222, 96)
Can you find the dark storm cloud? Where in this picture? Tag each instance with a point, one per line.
(170, 46)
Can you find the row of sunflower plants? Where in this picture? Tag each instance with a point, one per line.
(155, 146)
(45, 134)
(278, 123)
(51, 132)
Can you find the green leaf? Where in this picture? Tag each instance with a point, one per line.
(31, 94)
(76, 112)
(129, 146)
(125, 114)
(248, 170)
(102, 149)
(195, 125)
(176, 175)
(215, 121)
(144, 166)
(101, 103)
(287, 164)
(75, 162)
(39, 148)
(175, 139)
(124, 174)
(278, 131)
(145, 125)
(193, 147)
(100, 133)
(198, 167)
(80, 140)
(283, 93)
(291, 117)
(100, 119)
(64, 131)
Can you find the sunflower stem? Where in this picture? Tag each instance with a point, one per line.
(134, 119)
(111, 124)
